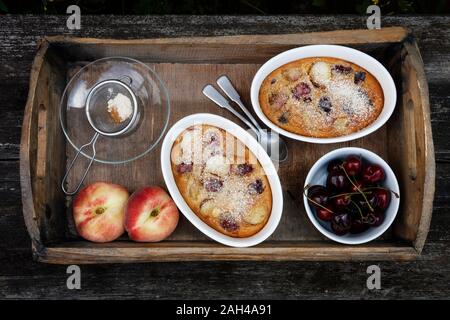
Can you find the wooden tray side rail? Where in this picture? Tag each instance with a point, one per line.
(42, 153)
(418, 169)
(406, 142)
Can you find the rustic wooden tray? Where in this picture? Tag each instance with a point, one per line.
(186, 65)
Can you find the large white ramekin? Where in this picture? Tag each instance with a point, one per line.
(340, 52)
(258, 151)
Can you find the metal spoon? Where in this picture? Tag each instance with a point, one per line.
(215, 96)
(272, 141)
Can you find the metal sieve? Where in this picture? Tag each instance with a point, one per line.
(100, 120)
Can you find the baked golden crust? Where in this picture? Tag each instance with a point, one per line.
(221, 180)
(321, 97)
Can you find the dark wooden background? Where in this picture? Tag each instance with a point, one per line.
(20, 277)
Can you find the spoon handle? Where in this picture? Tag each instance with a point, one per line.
(227, 87)
(210, 92)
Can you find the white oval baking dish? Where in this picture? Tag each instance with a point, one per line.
(334, 51)
(258, 151)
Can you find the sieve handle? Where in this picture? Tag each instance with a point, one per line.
(92, 144)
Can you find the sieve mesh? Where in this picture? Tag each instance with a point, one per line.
(97, 111)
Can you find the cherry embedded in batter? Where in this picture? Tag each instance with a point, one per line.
(359, 77)
(300, 90)
(325, 104)
(278, 99)
(243, 169)
(184, 167)
(339, 68)
(212, 184)
(228, 222)
(256, 187)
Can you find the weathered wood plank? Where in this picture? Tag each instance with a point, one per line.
(20, 42)
(209, 280)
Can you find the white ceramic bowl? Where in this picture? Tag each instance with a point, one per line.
(363, 60)
(318, 175)
(258, 151)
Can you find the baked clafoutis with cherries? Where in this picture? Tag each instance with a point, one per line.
(321, 97)
(221, 180)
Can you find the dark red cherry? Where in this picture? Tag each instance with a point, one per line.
(359, 77)
(212, 184)
(383, 198)
(353, 209)
(353, 165)
(324, 214)
(342, 69)
(358, 226)
(341, 224)
(256, 187)
(302, 89)
(341, 202)
(325, 104)
(373, 174)
(243, 168)
(375, 219)
(228, 222)
(278, 99)
(362, 203)
(317, 195)
(334, 165)
(337, 181)
(184, 167)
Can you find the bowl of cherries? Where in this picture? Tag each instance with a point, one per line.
(351, 195)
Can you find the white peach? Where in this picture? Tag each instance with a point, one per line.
(151, 215)
(99, 211)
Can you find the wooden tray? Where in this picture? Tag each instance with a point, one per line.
(186, 65)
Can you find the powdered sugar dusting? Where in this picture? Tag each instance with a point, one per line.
(327, 98)
(234, 198)
(219, 178)
(352, 100)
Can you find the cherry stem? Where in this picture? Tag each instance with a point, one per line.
(395, 193)
(359, 209)
(317, 204)
(357, 188)
(347, 194)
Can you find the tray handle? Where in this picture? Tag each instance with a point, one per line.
(420, 90)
